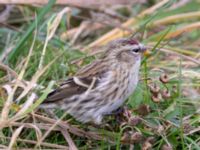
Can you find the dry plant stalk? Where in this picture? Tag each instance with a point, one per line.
(72, 33)
(117, 33)
(15, 136)
(69, 139)
(50, 145)
(184, 29)
(6, 108)
(71, 129)
(9, 70)
(177, 18)
(76, 3)
(172, 51)
(51, 29)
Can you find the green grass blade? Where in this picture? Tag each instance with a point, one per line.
(157, 44)
(31, 28)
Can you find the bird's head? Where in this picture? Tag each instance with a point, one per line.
(125, 50)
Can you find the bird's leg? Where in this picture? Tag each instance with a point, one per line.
(117, 111)
(122, 114)
(118, 115)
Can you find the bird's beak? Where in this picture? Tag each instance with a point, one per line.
(142, 48)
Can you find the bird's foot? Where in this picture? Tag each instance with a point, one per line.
(118, 111)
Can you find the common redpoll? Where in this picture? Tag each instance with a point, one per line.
(102, 86)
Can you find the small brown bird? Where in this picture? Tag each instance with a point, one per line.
(102, 86)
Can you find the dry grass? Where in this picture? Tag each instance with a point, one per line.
(34, 56)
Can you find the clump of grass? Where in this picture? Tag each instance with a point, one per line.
(154, 119)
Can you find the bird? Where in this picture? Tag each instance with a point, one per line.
(101, 87)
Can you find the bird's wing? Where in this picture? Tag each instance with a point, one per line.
(93, 69)
(66, 90)
(78, 84)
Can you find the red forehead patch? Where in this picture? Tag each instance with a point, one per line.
(132, 42)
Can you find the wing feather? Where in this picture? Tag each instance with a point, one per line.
(71, 87)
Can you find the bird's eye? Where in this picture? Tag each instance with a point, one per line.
(136, 50)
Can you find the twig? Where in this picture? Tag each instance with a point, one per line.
(82, 27)
(193, 131)
(74, 130)
(15, 136)
(182, 55)
(50, 129)
(9, 70)
(30, 125)
(184, 29)
(35, 142)
(179, 54)
(67, 137)
(7, 50)
(51, 29)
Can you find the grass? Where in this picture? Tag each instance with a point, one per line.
(40, 57)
